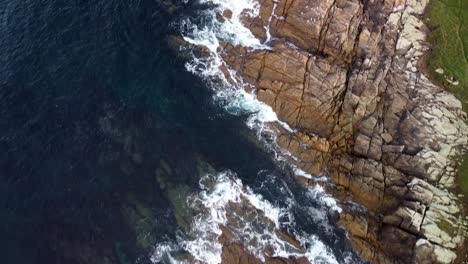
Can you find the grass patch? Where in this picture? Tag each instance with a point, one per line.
(462, 178)
(448, 20)
(448, 227)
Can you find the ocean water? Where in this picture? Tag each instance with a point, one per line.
(117, 145)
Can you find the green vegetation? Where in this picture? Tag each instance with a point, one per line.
(463, 177)
(448, 227)
(448, 20)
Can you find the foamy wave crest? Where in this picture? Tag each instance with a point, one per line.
(255, 223)
(230, 30)
(228, 89)
(319, 194)
(160, 253)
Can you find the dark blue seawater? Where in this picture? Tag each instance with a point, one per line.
(94, 100)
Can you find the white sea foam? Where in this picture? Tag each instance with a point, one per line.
(317, 252)
(302, 173)
(256, 228)
(267, 27)
(317, 193)
(299, 172)
(218, 191)
(230, 30)
(160, 252)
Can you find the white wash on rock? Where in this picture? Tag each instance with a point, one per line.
(225, 203)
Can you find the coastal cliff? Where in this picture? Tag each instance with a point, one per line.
(345, 76)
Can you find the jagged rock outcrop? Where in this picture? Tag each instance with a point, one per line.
(344, 74)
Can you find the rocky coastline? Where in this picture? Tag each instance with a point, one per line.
(346, 76)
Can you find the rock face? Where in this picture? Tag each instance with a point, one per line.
(344, 74)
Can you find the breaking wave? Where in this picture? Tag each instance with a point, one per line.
(209, 35)
(254, 222)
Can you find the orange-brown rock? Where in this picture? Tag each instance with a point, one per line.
(343, 74)
(324, 26)
(234, 252)
(295, 83)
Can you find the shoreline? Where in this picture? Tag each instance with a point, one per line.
(410, 206)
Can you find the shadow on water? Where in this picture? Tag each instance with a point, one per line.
(93, 103)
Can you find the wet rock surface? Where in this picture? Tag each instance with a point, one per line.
(344, 75)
